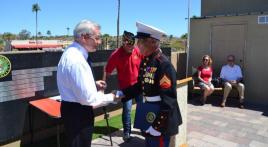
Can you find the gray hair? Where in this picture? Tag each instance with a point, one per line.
(85, 27)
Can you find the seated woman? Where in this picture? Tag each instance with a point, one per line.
(205, 76)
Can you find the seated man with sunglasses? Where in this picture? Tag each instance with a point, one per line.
(231, 76)
(126, 60)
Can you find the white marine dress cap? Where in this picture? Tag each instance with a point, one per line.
(146, 31)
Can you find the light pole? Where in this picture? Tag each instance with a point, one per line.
(118, 21)
(188, 38)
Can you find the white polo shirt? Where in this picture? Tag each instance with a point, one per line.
(231, 73)
(75, 79)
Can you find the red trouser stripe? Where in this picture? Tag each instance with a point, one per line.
(161, 141)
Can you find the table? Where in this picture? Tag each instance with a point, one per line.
(51, 107)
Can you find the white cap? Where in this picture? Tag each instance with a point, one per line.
(144, 30)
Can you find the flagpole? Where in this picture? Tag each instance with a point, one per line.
(188, 38)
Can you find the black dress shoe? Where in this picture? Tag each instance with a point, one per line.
(241, 106)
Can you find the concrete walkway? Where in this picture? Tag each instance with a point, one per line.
(213, 126)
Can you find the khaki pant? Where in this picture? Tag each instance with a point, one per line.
(228, 87)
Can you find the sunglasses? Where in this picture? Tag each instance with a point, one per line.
(129, 41)
(205, 59)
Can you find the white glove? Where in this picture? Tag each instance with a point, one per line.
(152, 131)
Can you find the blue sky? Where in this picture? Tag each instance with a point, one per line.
(57, 15)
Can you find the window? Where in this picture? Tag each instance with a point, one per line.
(263, 19)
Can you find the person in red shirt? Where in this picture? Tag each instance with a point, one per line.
(126, 60)
(205, 76)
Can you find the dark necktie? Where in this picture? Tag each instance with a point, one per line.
(89, 61)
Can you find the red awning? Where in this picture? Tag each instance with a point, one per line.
(37, 46)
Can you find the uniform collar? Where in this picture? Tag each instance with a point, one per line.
(81, 49)
(155, 53)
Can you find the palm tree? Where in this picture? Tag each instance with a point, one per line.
(35, 8)
(105, 37)
(8, 36)
(39, 34)
(68, 31)
(49, 33)
(118, 20)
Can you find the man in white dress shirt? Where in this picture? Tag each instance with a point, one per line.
(77, 87)
(231, 75)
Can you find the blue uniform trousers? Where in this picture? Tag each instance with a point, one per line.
(161, 141)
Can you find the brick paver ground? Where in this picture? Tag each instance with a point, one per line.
(213, 126)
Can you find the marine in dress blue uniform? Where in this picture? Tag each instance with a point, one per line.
(158, 115)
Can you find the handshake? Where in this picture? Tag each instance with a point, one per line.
(117, 94)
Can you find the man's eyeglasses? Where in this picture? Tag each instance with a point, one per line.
(230, 60)
(94, 37)
(129, 41)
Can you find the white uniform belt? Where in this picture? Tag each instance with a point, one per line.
(152, 98)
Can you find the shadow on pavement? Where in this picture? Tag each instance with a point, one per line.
(48, 142)
(231, 102)
(134, 142)
(104, 130)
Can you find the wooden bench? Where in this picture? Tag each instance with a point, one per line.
(215, 89)
(195, 88)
